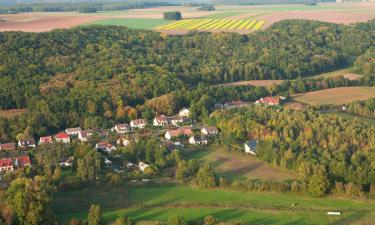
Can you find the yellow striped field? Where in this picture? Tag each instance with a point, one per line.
(214, 24)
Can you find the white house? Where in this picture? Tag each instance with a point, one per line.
(27, 143)
(123, 141)
(209, 131)
(178, 119)
(6, 164)
(184, 112)
(250, 147)
(83, 135)
(73, 131)
(142, 166)
(66, 162)
(161, 120)
(139, 123)
(122, 128)
(272, 101)
(180, 131)
(105, 146)
(45, 140)
(62, 137)
(198, 140)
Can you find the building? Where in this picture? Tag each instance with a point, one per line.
(123, 141)
(161, 121)
(105, 146)
(178, 119)
(122, 128)
(235, 104)
(272, 101)
(198, 140)
(62, 137)
(250, 147)
(83, 135)
(29, 143)
(184, 112)
(22, 161)
(139, 123)
(6, 164)
(45, 140)
(66, 162)
(73, 131)
(209, 131)
(7, 147)
(186, 131)
(143, 166)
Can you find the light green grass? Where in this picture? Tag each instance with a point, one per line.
(335, 73)
(133, 23)
(160, 202)
(225, 14)
(349, 116)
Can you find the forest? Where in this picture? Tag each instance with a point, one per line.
(62, 77)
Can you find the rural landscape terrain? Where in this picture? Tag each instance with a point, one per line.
(187, 112)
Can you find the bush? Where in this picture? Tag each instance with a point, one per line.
(172, 15)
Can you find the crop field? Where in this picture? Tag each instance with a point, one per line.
(231, 18)
(335, 96)
(157, 203)
(214, 24)
(11, 113)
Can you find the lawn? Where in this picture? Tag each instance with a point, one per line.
(133, 23)
(335, 96)
(159, 202)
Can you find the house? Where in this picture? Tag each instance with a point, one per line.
(184, 112)
(161, 120)
(142, 166)
(178, 119)
(272, 101)
(45, 140)
(73, 131)
(139, 123)
(250, 147)
(178, 132)
(235, 104)
(83, 135)
(105, 146)
(22, 161)
(198, 140)
(7, 147)
(66, 162)
(6, 164)
(123, 141)
(29, 143)
(122, 128)
(209, 131)
(62, 137)
(107, 162)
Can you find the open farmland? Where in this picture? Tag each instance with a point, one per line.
(335, 96)
(160, 202)
(231, 18)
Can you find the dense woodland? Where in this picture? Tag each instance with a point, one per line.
(62, 77)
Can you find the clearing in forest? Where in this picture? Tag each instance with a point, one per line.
(335, 96)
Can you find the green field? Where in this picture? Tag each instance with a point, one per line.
(133, 23)
(160, 202)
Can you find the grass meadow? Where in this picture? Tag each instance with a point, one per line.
(133, 23)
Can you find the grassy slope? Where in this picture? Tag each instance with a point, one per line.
(133, 23)
(160, 202)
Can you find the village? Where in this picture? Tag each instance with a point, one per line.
(173, 131)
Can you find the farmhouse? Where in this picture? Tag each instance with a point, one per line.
(104, 146)
(272, 101)
(139, 123)
(63, 138)
(122, 128)
(250, 147)
(73, 131)
(45, 140)
(7, 147)
(22, 161)
(83, 135)
(161, 120)
(27, 143)
(6, 164)
(209, 131)
(235, 104)
(178, 132)
(184, 112)
(142, 166)
(198, 140)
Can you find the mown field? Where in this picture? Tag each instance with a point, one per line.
(335, 96)
(159, 202)
(132, 23)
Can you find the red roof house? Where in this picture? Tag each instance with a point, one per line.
(269, 101)
(45, 140)
(7, 146)
(23, 161)
(62, 137)
(6, 164)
